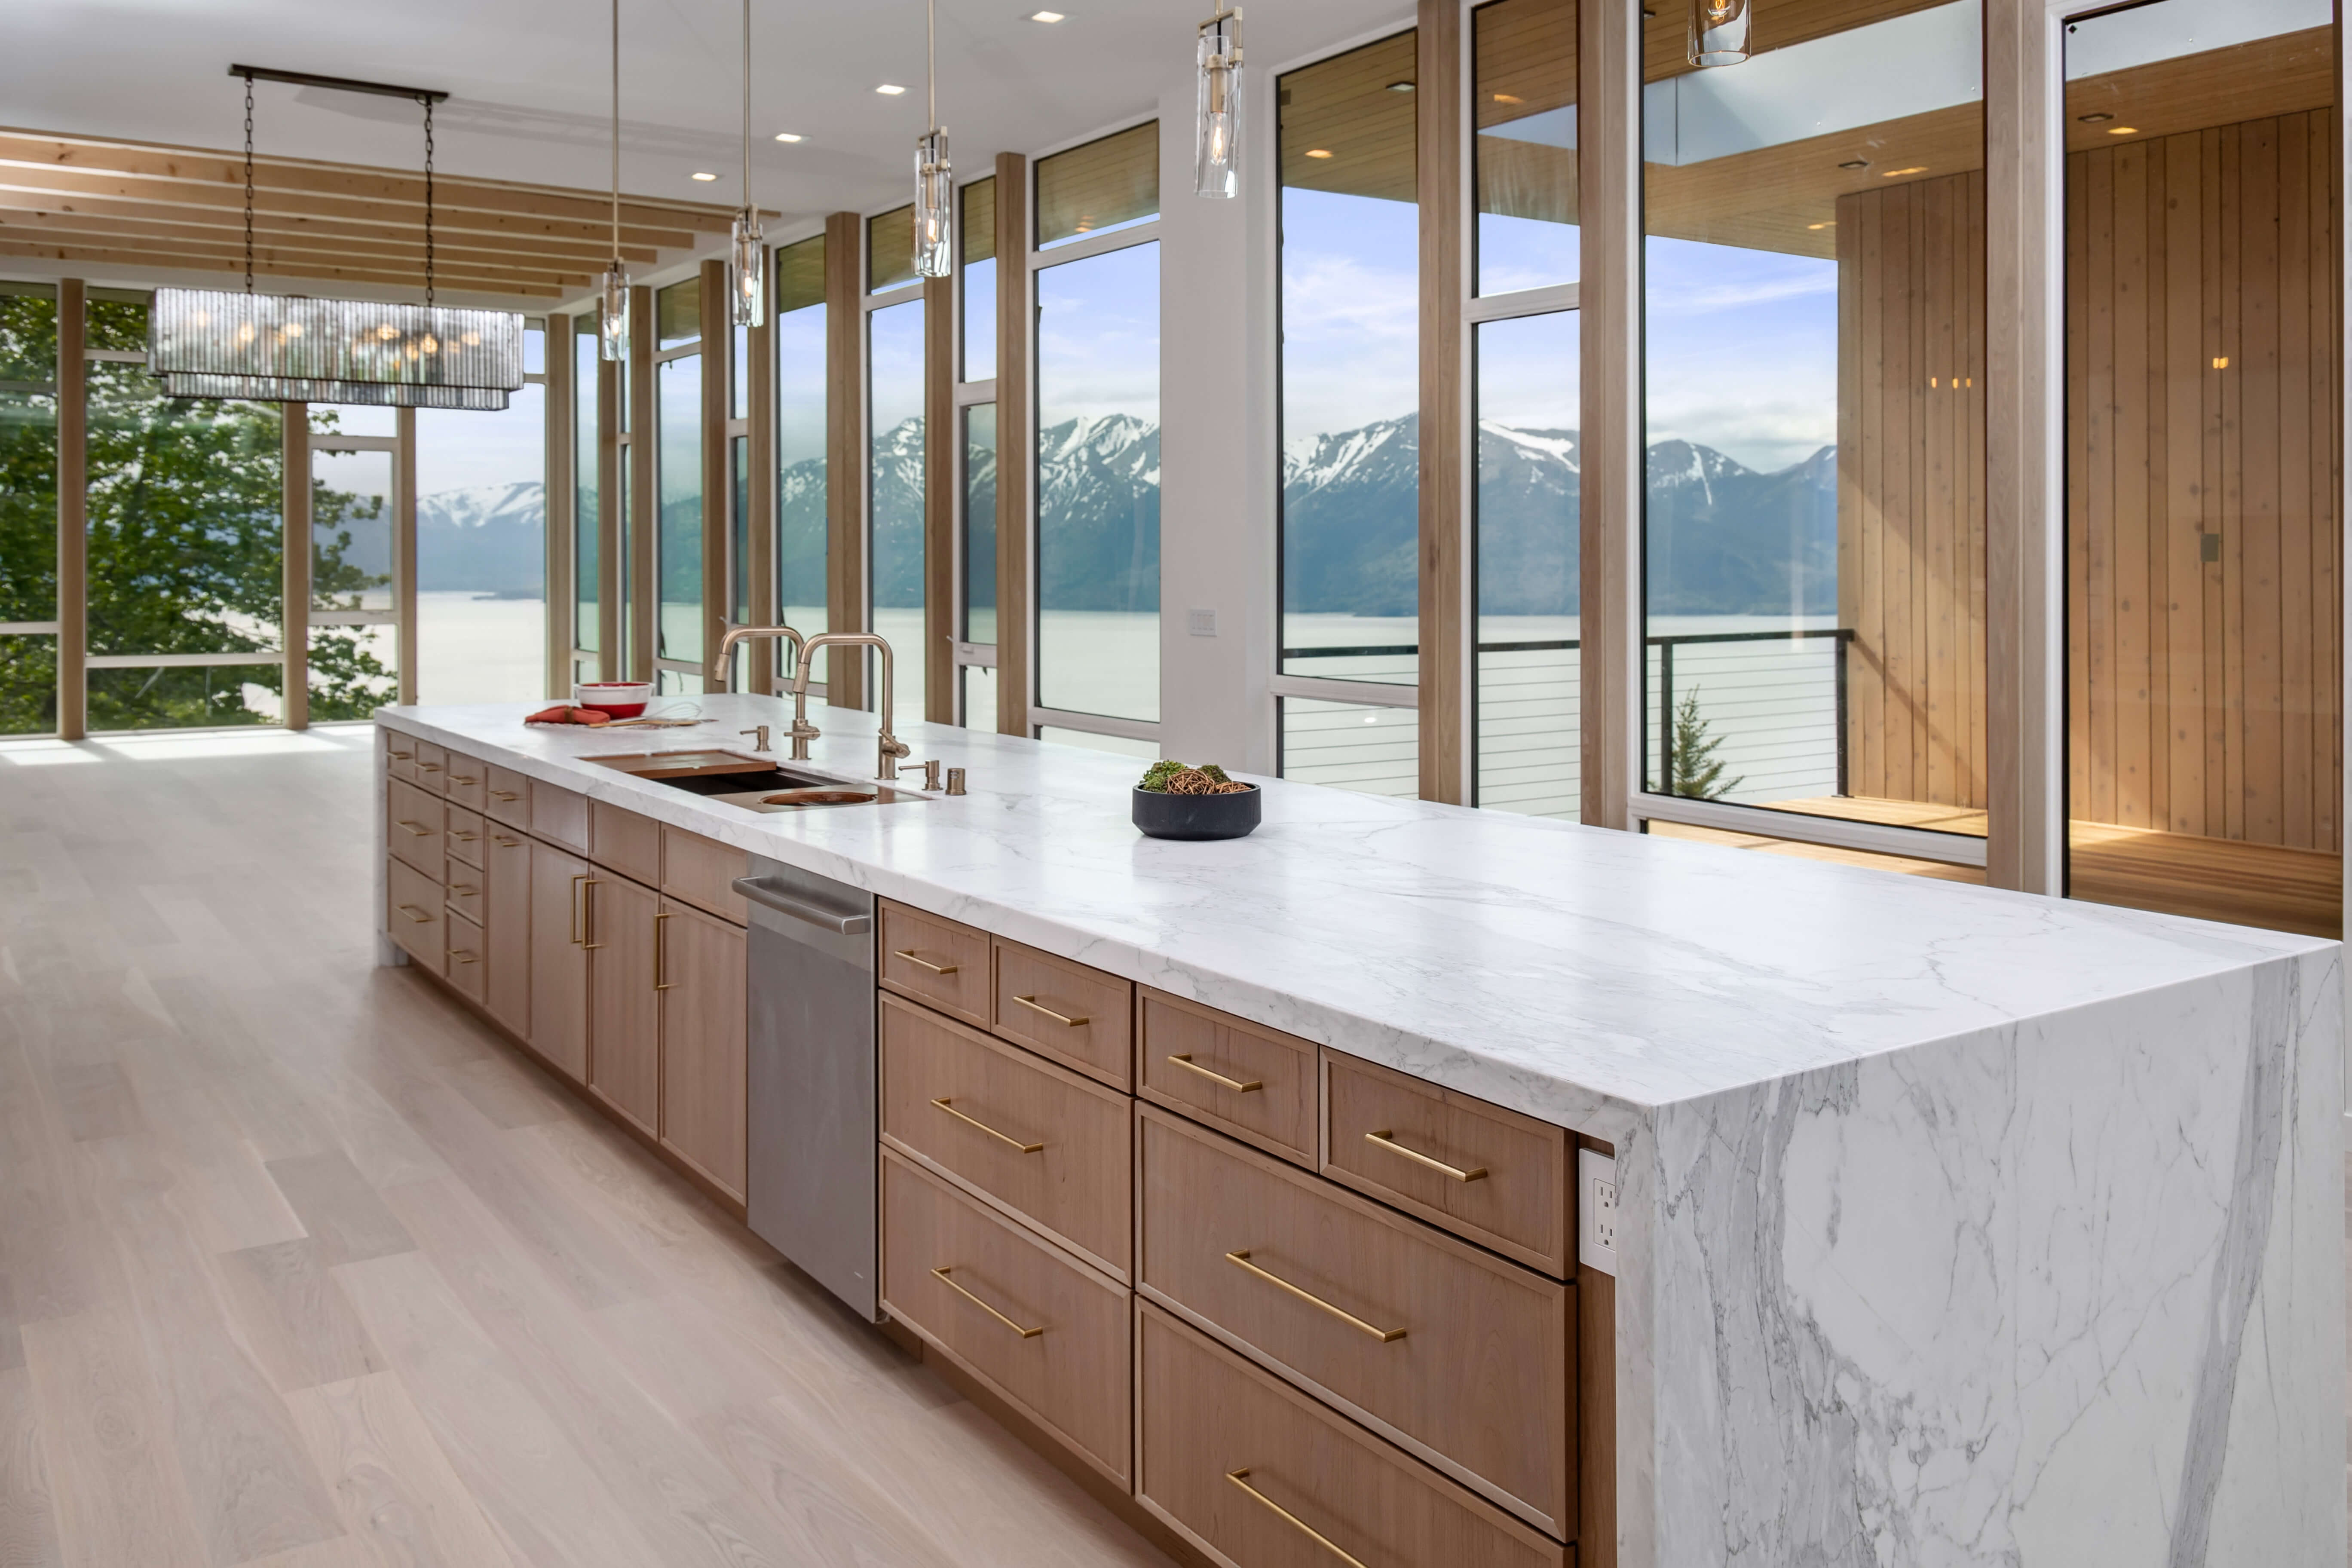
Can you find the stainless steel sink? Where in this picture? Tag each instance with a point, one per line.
(750, 783)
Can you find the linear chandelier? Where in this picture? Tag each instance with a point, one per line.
(273, 348)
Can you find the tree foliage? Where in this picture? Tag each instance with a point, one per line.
(1697, 772)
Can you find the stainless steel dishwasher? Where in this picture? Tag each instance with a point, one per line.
(813, 1077)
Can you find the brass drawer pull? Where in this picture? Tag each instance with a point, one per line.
(588, 913)
(503, 794)
(466, 889)
(1036, 1006)
(460, 955)
(503, 842)
(413, 912)
(402, 756)
(909, 955)
(1241, 1479)
(462, 836)
(428, 767)
(941, 1275)
(1386, 1336)
(413, 827)
(464, 779)
(1384, 1139)
(579, 912)
(1189, 1065)
(660, 950)
(992, 1132)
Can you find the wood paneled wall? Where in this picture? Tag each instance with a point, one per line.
(2203, 537)
(1911, 496)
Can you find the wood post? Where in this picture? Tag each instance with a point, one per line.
(718, 466)
(1016, 444)
(643, 592)
(1608, 578)
(294, 612)
(73, 512)
(1444, 543)
(759, 552)
(562, 408)
(942, 444)
(845, 422)
(404, 552)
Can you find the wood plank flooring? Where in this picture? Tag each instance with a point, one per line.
(300, 1266)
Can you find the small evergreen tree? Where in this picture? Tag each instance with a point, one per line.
(1697, 773)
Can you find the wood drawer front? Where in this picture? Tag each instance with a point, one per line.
(467, 781)
(1206, 1413)
(412, 916)
(941, 961)
(465, 891)
(506, 798)
(625, 842)
(468, 956)
(1254, 1083)
(1506, 1184)
(1076, 1377)
(412, 828)
(560, 816)
(1479, 1382)
(1054, 1148)
(702, 871)
(468, 834)
(1071, 1013)
(433, 767)
(400, 756)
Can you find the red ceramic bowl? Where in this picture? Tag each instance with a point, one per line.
(620, 699)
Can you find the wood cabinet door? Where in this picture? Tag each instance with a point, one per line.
(507, 926)
(703, 1062)
(559, 959)
(623, 1020)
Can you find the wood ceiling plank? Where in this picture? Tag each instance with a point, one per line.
(144, 262)
(172, 224)
(230, 258)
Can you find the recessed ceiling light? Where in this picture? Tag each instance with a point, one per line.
(700, 175)
(790, 136)
(1914, 169)
(889, 89)
(1319, 151)
(2098, 117)
(2123, 130)
(1855, 163)
(1044, 15)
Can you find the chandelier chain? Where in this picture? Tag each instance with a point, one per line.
(248, 185)
(428, 203)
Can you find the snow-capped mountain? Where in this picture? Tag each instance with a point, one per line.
(489, 539)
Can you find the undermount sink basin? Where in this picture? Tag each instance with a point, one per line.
(752, 783)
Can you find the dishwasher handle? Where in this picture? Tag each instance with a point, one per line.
(768, 897)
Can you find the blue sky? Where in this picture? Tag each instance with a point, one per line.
(1742, 352)
(1099, 337)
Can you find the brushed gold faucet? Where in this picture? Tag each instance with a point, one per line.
(890, 748)
(722, 667)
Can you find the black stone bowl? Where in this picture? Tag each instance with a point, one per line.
(1234, 816)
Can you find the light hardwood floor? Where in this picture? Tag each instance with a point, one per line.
(300, 1266)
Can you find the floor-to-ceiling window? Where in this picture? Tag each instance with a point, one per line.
(895, 434)
(1813, 557)
(1351, 405)
(587, 501)
(975, 399)
(28, 509)
(354, 612)
(801, 415)
(1525, 409)
(1097, 280)
(677, 486)
(2204, 413)
(482, 543)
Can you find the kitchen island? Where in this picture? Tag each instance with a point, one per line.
(1951, 1225)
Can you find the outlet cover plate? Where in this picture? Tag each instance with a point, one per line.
(1596, 1212)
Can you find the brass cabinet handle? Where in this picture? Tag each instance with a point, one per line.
(588, 913)
(579, 921)
(1241, 1479)
(503, 842)
(909, 955)
(503, 794)
(1384, 1139)
(464, 779)
(1242, 1260)
(461, 955)
(413, 827)
(402, 756)
(992, 1132)
(1036, 1006)
(413, 912)
(468, 889)
(1189, 1065)
(941, 1275)
(428, 767)
(462, 836)
(660, 948)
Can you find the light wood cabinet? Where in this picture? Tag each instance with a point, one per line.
(1254, 1083)
(413, 914)
(412, 827)
(559, 959)
(1077, 1016)
(506, 797)
(463, 834)
(467, 781)
(703, 1008)
(506, 929)
(399, 756)
(432, 767)
(467, 960)
(1259, 1475)
(625, 842)
(940, 962)
(702, 871)
(1041, 1330)
(624, 1015)
(560, 816)
(1457, 1355)
(463, 888)
(1049, 1146)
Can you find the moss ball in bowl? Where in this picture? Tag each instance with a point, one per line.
(1175, 801)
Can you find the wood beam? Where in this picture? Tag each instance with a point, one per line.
(73, 513)
(941, 442)
(844, 428)
(366, 240)
(146, 261)
(1015, 442)
(1444, 542)
(294, 636)
(717, 469)
(225, 251)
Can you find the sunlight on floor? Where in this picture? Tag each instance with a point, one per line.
(185, 745)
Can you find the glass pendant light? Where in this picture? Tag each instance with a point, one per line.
(613, 309)
(1217, 118)
(934, 175)
(747, 256)
(1721, 31)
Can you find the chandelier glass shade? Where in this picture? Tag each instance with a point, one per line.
(1721, 32)
(747, 269)
(1217, 117)
(934, 202)
(268, 347)
(613, 314)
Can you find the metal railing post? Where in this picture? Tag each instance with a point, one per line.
(1844, 641)
(1666, 716)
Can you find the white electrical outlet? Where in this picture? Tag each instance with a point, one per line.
(1200, 623)
(1596, 1212)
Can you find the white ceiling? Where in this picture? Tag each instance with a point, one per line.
(530, 81)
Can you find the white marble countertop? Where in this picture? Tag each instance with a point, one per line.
(1580, 975)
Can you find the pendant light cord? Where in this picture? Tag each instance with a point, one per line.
(616, 134)
(428, 203)
(747, 105)
(248, 185)
(931, 49)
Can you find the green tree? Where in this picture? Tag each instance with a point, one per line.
(1697, 772)
(28, 511)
